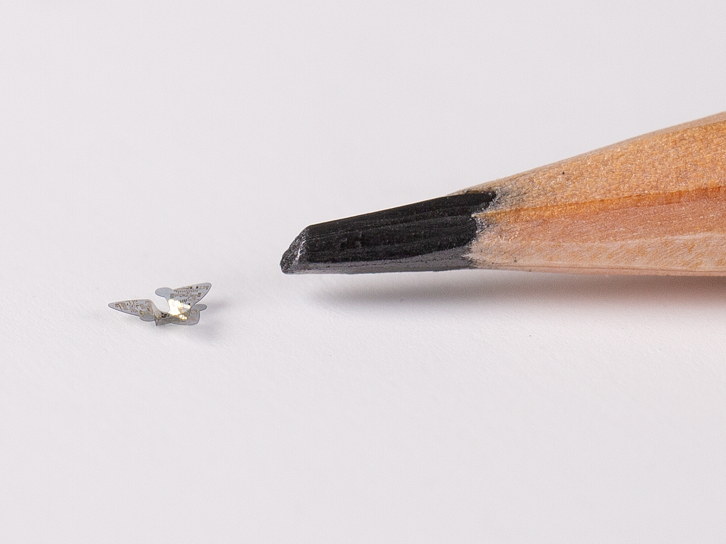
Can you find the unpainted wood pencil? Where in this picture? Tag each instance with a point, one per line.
(655, 204)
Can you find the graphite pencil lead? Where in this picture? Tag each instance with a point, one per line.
(655, 204)
(430, 235)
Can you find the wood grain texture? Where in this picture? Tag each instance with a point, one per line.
(655, 204)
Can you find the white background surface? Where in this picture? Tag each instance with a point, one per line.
(148, 144)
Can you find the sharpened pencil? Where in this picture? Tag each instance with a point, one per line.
(655, 204)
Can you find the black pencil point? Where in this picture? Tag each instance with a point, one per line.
(426, 236)
(290, 262)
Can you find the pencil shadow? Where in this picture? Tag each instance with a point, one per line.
(477, 287)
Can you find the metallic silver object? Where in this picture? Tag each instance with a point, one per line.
(183, 307)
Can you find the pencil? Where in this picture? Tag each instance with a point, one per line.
(655, 204)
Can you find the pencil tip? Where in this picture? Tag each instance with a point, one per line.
(291, 259)
(426, 236)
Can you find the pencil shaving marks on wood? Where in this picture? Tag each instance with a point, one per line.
(678, 159)
(651, 205)
(431, 235)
